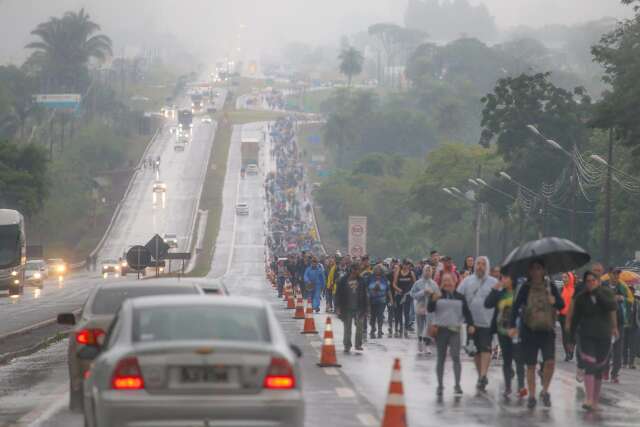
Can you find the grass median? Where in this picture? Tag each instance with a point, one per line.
(211, 198)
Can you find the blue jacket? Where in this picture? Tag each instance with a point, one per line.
(316, 276)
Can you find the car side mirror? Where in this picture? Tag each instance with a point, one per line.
(296, 350)
(66, 319)
(89, 352)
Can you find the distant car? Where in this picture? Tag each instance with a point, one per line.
(211, 110)
(242, 209)
(178, 147)
(159, 187)
(212, 286)
(207, 120)
(179, 360)
(35, 272)
(171, 240)
(252, 169)
(110, 267)
(101, 305)
(57, 267)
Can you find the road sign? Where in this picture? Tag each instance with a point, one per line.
(157, 247)
(357, 235)
(138, 258)
(186, 256)
(63, 102)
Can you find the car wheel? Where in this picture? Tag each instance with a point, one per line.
(75, 400)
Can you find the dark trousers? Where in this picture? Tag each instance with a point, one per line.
(565, 335)
(377, 317)
(616, 362)
(281, 280)
(448, 340)
(403, 311)
(511, 353)
(349, 317)
(629, 347)
(391, 315)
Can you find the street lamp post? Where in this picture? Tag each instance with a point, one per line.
(574, 175)
(458, 194)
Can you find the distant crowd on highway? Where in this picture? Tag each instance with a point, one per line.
(470, 307)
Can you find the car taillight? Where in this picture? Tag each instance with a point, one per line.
(127, 375)
(279, 375)
(89, 336)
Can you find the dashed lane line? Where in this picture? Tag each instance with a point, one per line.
(345, 392)
(367, 419)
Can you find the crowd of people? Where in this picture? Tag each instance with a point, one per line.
(476, 308)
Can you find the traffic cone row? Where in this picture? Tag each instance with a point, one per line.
(395, 413)
(285, 293)
(299, 314)
(328, 350)
(309, 323)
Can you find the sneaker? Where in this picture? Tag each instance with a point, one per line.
(580, 375)
(397, 334)
(546, 399)
(507, 392)
(406, 334)
(372, 335)
(428, 351)
(457, 390)
(439, 391)
(632, 366)
(531, 403)
(605, 376)
(347, 350)
(358, 348)
(522, 393)
(380, 334)
(615, 380)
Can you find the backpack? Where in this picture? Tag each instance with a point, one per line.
(503, 322)
(539, 314)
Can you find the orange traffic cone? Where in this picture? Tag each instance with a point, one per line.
(299, 314)
(328, 351)
(395, 413)
(309, 323)
(285, 293)
(291, 303)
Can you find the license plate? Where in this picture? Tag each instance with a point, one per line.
(204, 374)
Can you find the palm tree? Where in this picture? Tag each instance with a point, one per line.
(65, 48)
(351, 61)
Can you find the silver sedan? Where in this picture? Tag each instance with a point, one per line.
(193, 361)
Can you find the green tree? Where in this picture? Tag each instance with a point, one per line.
(518, 102)
(351, 60)
(64, 49)
(23, 177)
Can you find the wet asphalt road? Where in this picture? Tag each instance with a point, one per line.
(139, 219)
(351, 396)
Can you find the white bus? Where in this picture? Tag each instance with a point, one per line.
(13, 251)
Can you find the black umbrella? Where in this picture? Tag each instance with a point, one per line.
(558, 255)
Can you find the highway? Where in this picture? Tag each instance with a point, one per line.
(138, 220)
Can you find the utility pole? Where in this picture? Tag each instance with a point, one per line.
(606, 238)
(574, 192)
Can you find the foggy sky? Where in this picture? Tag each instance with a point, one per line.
(216, 27)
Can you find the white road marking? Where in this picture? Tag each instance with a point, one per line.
(331, 371)
(367, 419)
(345, 392)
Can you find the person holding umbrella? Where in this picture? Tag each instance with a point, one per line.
(538, 302)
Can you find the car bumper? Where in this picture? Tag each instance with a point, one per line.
(141, 409)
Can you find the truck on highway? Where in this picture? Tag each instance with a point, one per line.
(196, 103)
(250, 147)
(185, 122)
(13, 251)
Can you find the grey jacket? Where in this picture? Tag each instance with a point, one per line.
(475, 291)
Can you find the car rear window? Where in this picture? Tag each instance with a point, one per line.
(109, 300)
(227, 323)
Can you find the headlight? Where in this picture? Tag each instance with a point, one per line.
(61, 268)
(16, 282)
(37, 275)
(117, 268)
(124, 264)
(14, 273)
